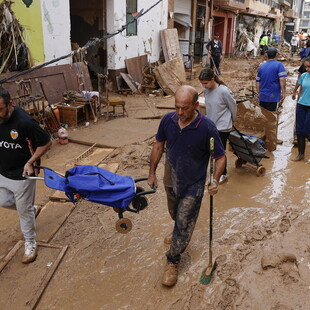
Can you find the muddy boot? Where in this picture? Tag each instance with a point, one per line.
(168, 239)
(170, 276)
(301, 143)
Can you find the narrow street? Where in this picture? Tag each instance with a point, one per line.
(261, 227)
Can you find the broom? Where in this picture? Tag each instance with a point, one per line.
(206, 275)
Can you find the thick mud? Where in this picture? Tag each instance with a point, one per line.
(261, 231)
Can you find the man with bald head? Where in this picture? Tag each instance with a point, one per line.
(186, 134)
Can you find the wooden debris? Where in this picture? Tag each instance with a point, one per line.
(130, 82)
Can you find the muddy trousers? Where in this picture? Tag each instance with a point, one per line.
(184, 212)
(19, 195)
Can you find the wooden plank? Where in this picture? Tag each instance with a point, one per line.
(59, 196)
(135, 67)
(52, 217)
(11, 254)
(170, 75)
(129, 81)
(27, 294)
(46, 280)
(112, 167)
(95, 158)
(89, 143)
(170, 44)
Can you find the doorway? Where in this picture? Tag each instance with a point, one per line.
(88, 20)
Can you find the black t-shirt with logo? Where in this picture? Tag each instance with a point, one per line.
(19, 138)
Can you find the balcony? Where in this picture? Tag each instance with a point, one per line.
(230, 4)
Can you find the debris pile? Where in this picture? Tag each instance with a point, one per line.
(155, 78)
(244, 46)
(13, 50)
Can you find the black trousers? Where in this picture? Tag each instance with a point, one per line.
(224, 137)
(216, 61)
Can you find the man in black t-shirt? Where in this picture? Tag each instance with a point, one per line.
(22, 143)
(215, 50)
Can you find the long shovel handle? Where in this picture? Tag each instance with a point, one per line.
(211, 199)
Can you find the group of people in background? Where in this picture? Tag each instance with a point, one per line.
(297, 43)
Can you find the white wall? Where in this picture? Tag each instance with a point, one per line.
(121, 47)
(56, 30)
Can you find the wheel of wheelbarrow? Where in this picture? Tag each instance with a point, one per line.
(139, 203)
(239, 162)
(123, 226)
(260, 171)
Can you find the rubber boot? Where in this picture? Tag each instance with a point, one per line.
(301, 143)
(170, 276)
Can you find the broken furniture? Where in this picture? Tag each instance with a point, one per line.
(117, 102)
(149, 80)
(71, 114)
(36, 106)
(78, 98)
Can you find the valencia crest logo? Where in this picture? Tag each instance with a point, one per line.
(14, 134)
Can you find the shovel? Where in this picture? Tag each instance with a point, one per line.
(206, 275)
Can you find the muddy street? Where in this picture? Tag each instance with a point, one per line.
(261, 227)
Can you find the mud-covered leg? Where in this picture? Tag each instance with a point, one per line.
(185, 221)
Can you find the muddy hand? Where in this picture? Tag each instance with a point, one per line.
(212, 187)
(152, 181)
(28, 170)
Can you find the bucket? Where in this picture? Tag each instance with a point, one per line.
(62, 136)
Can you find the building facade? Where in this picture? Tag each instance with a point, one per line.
(305, 19)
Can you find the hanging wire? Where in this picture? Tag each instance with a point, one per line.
(85, 47)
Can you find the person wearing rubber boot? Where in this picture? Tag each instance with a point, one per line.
(186, 134)
(22, 143)
(303, 111)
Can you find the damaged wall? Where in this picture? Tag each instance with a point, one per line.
(47, 28)
(56, 30)
(147, 41)
(255, 25)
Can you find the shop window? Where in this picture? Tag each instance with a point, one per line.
(131, 9)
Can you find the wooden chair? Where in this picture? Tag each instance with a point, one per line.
(117, 102)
